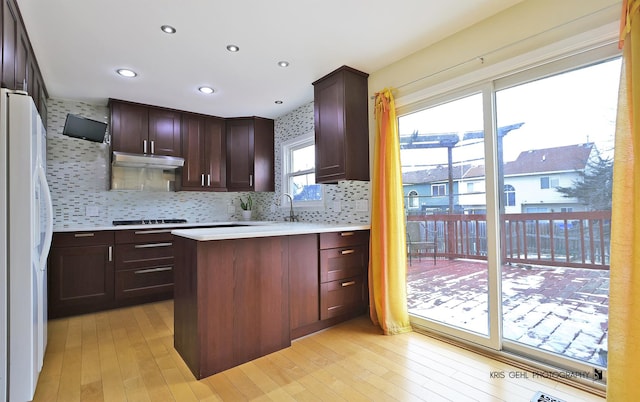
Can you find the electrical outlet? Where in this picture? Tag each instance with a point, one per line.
(231, 209)
(92, 210)
(337, 205)
(362, 205)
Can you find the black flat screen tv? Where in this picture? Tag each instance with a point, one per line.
(87, 129)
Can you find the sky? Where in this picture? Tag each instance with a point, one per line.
(565, 109)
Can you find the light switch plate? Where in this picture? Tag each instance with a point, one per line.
(337, 205)
(231, 209)
(362, 205)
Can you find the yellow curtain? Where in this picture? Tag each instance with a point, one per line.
(624, 299)
(388, 259)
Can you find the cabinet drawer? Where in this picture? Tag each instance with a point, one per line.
(343, 239)
(144, 255)
(82, 238)
(144, 235)
(344, 262)
(146, 281)
(342, 297)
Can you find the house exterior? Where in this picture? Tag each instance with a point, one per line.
(530, 183)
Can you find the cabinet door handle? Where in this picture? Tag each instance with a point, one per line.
(345, 234)
(202, 180)
(152, 270)
(83, 234)
(345, 252)
(152, 245)
(110, 253)
(144, 146)
(143, 232)
(208, 180)
(350, 283)
(153, 146)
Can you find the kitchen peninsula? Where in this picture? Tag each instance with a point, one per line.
(244, 292)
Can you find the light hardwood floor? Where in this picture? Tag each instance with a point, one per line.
(128, 355)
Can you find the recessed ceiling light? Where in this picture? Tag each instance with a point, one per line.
(233, 48)
(283, 63)
(206, 90)
(125, 72)
(168, 29)
(278, 102)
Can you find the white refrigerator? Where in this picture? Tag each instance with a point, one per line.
(26, 226)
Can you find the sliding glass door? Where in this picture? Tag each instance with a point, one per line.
(508, 205)
(443, 157)
(557, 171)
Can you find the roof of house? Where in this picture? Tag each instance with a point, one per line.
(557, 159)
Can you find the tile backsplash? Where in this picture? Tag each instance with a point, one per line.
(79, 174)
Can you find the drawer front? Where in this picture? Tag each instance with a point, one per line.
(83, 238)
(344, 239)
(144, 236)
(342, 297)
(144, 255)
(142, 282)
(345, 262)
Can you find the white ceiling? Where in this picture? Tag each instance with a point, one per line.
(80, 43)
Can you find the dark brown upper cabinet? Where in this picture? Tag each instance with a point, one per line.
(204, 151)
(19, 68)
(341, 126)
(250, 157)
(137, 128)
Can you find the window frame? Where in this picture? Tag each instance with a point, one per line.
(438, 186)
(287, 148)
(413, 199)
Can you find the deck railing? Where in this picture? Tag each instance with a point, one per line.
(570, 239)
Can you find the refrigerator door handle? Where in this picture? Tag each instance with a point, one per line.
(48, 235)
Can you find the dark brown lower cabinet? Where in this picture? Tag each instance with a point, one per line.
(344, 261)
(80, 268)
(304, 285)
(144, 263)
(231, 301)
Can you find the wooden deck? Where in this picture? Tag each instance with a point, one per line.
(562, 310)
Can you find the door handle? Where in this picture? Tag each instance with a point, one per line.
(144, 146)
(153, 146)
(152, 245)
(143, 232)
(152, 270)
(202, 180)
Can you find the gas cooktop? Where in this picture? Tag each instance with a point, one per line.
(148, 222)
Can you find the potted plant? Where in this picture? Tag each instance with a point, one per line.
(246, 208)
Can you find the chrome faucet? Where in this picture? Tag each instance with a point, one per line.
(292, 217)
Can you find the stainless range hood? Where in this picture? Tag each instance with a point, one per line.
(124, 159)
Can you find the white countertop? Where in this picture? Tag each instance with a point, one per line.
(264, 229)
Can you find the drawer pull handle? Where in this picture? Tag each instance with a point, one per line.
(350, 283)
(345, 252)
(110, 253)
(83, 235)
(152, 245)
(345, 234)
(152, 270)
(143, 232)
